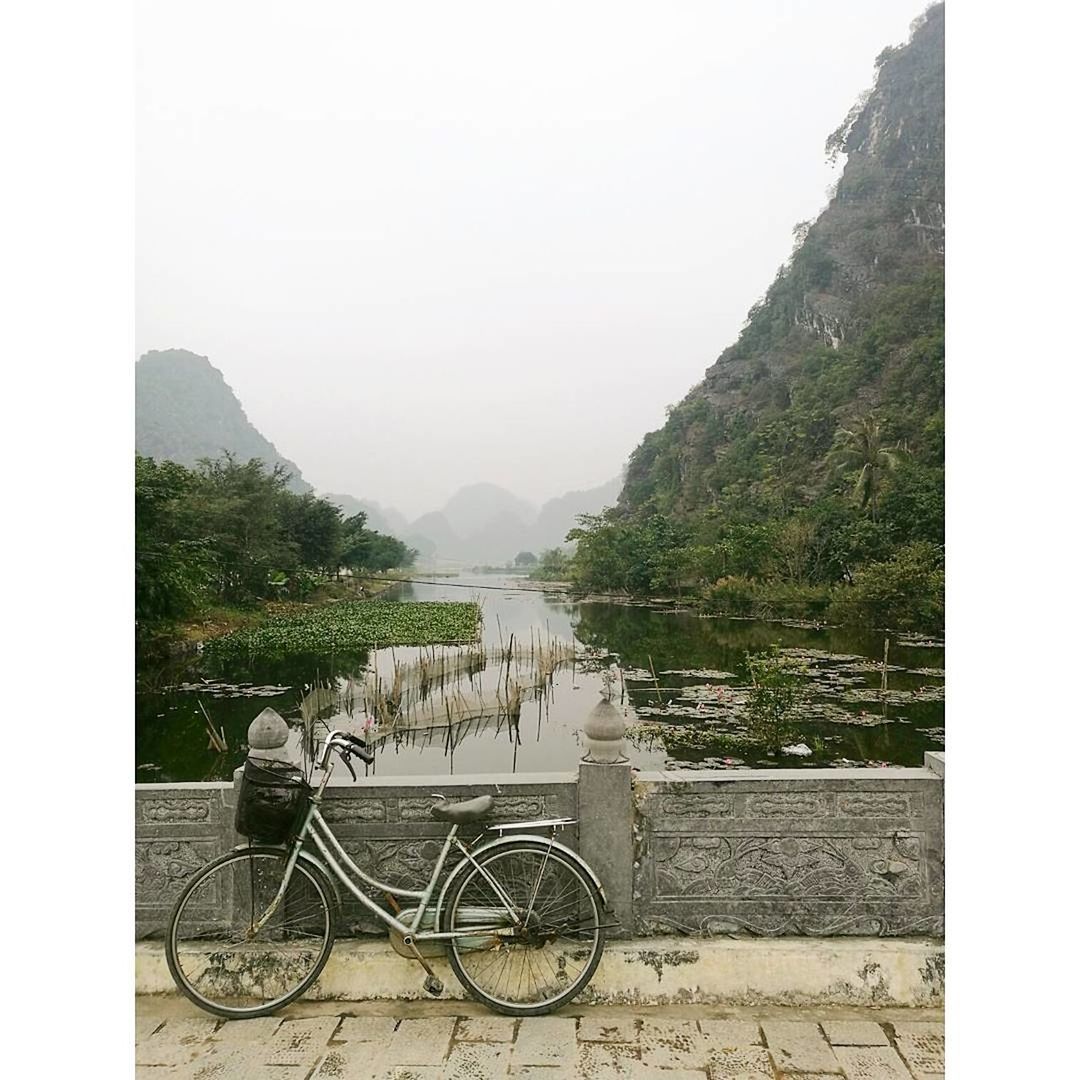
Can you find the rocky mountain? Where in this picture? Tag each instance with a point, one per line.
(485, 524)
(850, 331)
(559, 515)
(184, 411)
(384, 519)
(475, 508)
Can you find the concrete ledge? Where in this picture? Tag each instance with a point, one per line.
(660, 971)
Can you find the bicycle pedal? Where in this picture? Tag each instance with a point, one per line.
(433, 986)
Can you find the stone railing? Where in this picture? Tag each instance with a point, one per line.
(773, 852)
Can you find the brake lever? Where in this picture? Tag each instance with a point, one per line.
(345, 756)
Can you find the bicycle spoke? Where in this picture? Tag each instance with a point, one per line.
(227, 966)
(534, 965)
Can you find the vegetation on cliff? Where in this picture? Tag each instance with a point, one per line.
(805, 474)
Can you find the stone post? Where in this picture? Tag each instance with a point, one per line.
(267, 737)
(606, 811)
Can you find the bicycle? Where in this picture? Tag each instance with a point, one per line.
(519, 916)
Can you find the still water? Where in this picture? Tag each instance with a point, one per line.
(678, 680)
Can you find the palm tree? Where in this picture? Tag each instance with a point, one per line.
(860, 447)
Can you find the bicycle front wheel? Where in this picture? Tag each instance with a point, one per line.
(541, 956)
(226, 963)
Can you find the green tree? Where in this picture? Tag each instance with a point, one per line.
(525, 558)
(314, 526)
(172, 568)
(861, 447)
(365, 549)
(553, 565)
(239, 507)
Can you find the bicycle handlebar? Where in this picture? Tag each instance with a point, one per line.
(345, 743)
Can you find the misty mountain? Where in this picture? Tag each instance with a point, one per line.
(559, 515)
(486, 524)
(184, 411)
(379, 518)
(477, 507)
(850, 332)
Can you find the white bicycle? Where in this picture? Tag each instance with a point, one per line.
(520, 916)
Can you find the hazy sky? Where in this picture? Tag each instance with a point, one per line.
(435, 243)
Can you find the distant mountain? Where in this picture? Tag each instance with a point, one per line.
(486, 524)
(435, 529)
(184, 411)
(558, 516)
(473, 509)
(381, 519)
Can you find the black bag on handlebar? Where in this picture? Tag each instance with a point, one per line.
(273, 795)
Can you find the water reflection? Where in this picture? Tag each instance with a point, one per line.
(457, 710)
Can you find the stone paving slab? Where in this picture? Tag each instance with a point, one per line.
(367, 1029)
(240, 1033)
(922, 1046)
(854, 1033)
(731, 1033)
(799, 1046)
(741, 1063)
(424, 1041)
(176, 1043)
(608, 1060)
(599, 1043)
(477, 1061)
(145, 1026)
(607, 1030)
(546, 1040)
(673, 1044)
(299, 1043)
(871, 1063)
(486, 1029)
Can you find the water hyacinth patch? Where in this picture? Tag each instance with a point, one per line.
(354, 625)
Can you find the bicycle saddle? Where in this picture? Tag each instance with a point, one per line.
(460, 813)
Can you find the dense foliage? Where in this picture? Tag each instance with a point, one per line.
(805, 510)
(805, 474)
(351, 625)
(232, 533)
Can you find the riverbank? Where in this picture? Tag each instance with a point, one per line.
(220, 620)
(894, 610)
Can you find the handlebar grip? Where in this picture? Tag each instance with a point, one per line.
(360, 748)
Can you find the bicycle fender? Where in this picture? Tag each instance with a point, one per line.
(535, 841)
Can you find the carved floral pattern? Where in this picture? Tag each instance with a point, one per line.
(162, 866)
(785, 804)
(350, 811)
(506, 808)
(170, 810)
(697, 806)
(786, 867)
(873, 804)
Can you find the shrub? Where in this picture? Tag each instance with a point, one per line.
(776, 692)
(906, 592)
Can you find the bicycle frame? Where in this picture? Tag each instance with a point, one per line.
(334, 855)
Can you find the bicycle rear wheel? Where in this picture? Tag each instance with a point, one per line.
(553, 950)
(221, 962)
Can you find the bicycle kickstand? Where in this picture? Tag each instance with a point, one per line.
(432, 984)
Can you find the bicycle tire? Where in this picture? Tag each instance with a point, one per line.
(210, 954)
(553, 959)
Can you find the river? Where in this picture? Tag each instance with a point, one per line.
(699, 664)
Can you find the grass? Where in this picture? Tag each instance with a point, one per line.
(352, 625)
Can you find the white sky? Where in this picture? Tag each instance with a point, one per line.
(435, 243)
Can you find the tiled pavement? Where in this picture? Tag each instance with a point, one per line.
(401, 1042)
